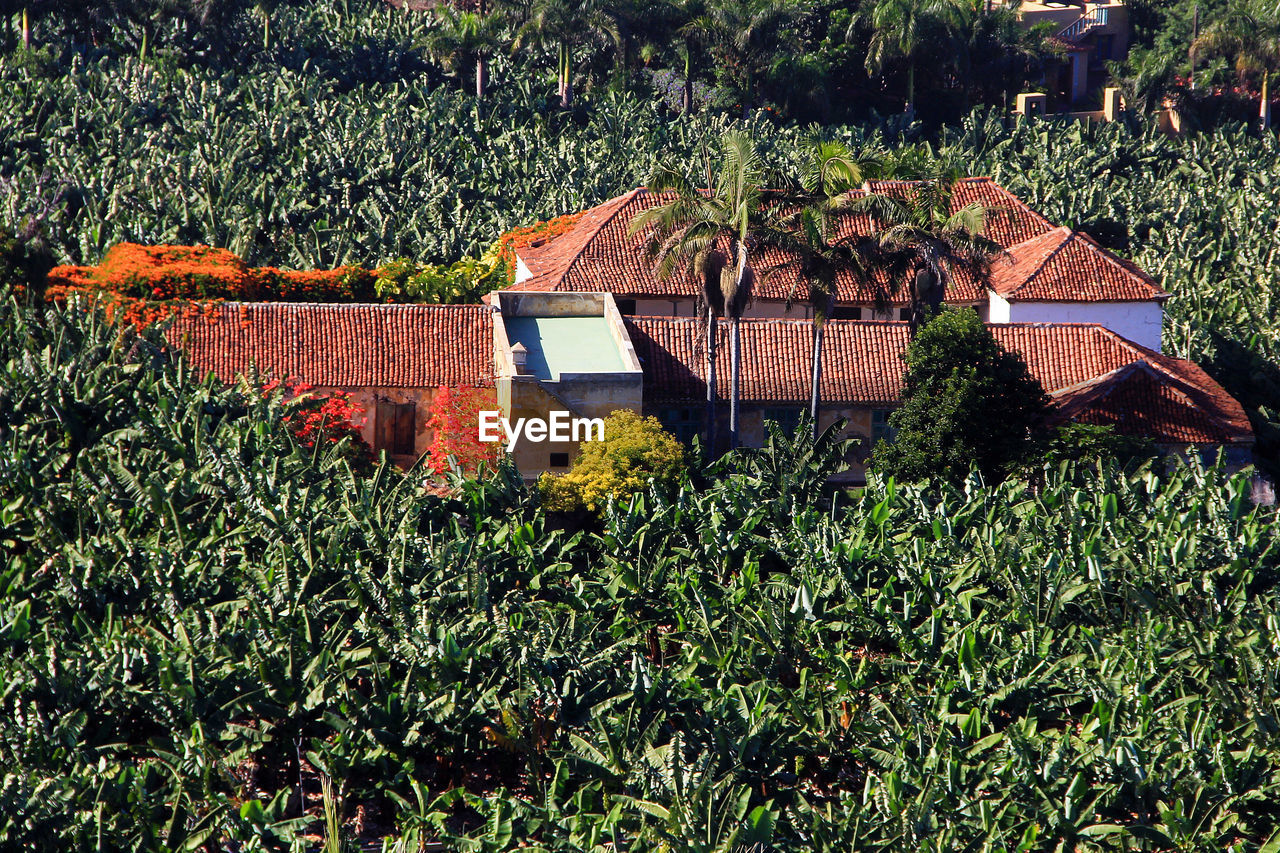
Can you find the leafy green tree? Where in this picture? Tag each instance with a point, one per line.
(634, 452)
(713, 236)
(966, 401)
(923, 240)
(901, 30)
(1249, 33)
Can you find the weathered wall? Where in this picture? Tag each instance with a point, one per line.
(367, 399)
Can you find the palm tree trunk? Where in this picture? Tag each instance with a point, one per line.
(911, 88)
(1264, 109)
(26, 28)
(566, 77)
(815, 382)
(713, 324)
(266, 29)
(687, 99)
(735, 372)
(480, 73)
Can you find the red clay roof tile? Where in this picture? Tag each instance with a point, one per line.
(862, 365)
(599, 254)
(345, 346)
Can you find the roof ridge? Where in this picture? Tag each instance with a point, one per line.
(622, 201)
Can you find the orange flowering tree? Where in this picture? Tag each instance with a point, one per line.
(144, 284)
(454, 419)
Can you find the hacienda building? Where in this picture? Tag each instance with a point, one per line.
(587, 328)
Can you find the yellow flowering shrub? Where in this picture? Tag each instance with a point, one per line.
(634, 450)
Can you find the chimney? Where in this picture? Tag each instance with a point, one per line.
(520, 359)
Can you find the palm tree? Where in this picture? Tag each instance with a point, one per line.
(711, 235)
(684, 31)
(1147, 78)
(568, 25)
(923, 240)
(901, 29)
(821, 255)
(749, 34)
(1250, 33)
(464, 38)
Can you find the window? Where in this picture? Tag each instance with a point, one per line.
(788, 418)
(683, 423)
(846, 312)
(880, 428)
(394, 427)
(559, 460)
(626, 306)
(904, 313)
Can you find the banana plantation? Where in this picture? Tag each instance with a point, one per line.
(213, 635)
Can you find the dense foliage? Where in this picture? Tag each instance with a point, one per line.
(201, 615)
(966, 402)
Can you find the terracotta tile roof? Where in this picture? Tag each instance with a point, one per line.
(1138, 400)
(1094, 375)
(1063, 265)
(862, 366)
(346, 346)
(598, 253)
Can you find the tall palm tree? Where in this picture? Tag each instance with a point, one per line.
(901, 29)
(830, 174)
(749, 34)
(464, 38)
(923, 240)
(1249, 33)
(568, 25)
(712, 235)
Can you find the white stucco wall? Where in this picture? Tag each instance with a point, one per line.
(1139, 322)
(777, 310)
(997, 308)
(522, 270)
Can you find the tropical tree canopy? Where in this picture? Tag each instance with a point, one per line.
(966, 402)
